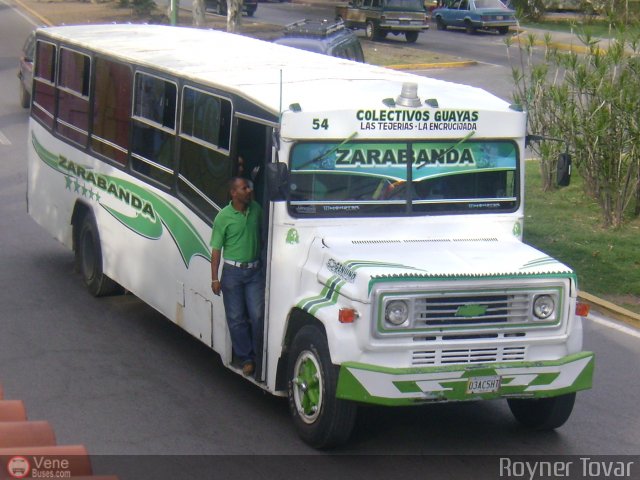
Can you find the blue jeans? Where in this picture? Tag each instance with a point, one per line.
(243, 296)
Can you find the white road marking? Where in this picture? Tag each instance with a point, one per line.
(23, 15)
(614, 325)
(3, 139)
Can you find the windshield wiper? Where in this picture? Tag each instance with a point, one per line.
(328, 152)
(453, 147)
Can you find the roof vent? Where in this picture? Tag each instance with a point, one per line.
(409, 96)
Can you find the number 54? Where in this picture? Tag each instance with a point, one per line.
(319, 123)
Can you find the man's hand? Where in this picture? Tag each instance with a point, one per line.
(215, 264)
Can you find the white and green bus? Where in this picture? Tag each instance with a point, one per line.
(395, 268)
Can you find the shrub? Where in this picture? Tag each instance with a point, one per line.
(592, 101)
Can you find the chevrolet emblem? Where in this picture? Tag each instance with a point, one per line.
(472, 310)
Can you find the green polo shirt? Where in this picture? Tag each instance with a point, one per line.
(237, 233)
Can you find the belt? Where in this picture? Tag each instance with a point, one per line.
(233, 263)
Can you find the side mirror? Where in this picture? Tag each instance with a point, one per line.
(277, 181)
(563, 172)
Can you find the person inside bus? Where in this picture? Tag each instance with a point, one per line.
(250, 172)
(236, 239)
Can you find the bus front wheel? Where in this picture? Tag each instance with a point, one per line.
(89, 260)
(542, 413)
(322, 420)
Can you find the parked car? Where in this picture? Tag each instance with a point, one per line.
(381, 17)
(220, 6)
(474, 15)
(25, 70)
(323, 37)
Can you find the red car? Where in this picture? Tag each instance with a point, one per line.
(25, 70)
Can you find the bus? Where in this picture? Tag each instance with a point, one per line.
(392, 249)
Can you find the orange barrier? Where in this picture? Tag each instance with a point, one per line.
(26, 434)
(60, 461)
(12, 411)
(94, 477)
(28, 448)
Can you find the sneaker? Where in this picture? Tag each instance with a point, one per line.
(248, 368)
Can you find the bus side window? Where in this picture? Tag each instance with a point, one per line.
(154, 114)
(111, 106)
(73, 96)
(44, 85)
(204, 164)
(206, 117)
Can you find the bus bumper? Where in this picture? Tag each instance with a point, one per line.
(409, 386)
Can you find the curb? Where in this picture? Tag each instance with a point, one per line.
(617, 312)
(567, 47)
(25, 441)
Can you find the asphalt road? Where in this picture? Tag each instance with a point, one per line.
(116, 376)
(484, 47)
(494, 60)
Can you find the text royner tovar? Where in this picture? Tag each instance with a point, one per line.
(585, 467)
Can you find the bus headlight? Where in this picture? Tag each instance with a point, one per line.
(544, 307)
(396, 312)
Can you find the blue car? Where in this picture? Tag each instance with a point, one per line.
(474, 15)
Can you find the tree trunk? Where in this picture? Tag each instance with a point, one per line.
(234, 15)
(198, 12)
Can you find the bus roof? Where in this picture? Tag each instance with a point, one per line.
(267, 74)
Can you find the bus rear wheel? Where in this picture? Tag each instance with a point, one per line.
(89, 260)
(542, 413)
(322, 420)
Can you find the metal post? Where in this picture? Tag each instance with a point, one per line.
(174, 12)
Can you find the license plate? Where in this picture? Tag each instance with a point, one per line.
(484, 384)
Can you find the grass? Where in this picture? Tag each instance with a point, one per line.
(566, 224)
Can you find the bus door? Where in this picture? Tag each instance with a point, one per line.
(253, 143)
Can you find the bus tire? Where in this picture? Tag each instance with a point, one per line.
(542, 413)
(322, 420)
(89, 260)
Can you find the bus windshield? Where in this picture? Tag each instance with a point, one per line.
(399, 178)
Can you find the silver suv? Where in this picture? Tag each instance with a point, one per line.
(25, 70)
(323, 37)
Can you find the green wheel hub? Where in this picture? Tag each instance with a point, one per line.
(307, 387)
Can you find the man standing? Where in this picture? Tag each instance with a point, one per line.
(236, 234)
